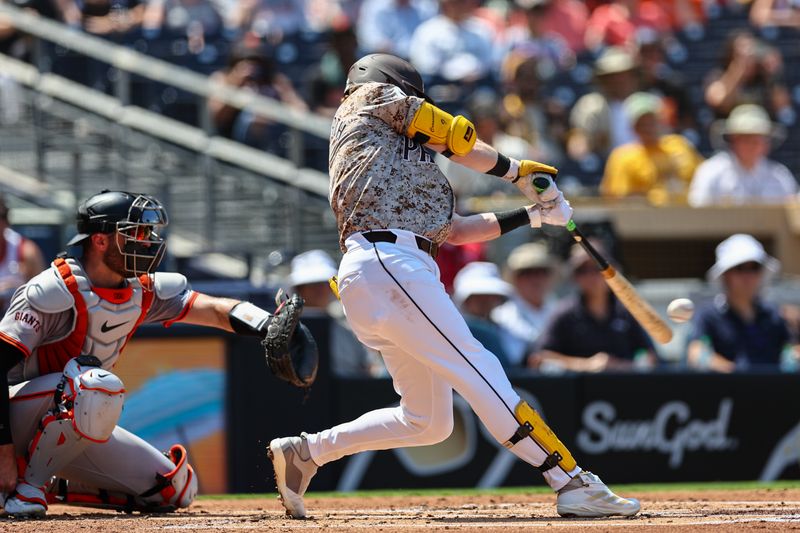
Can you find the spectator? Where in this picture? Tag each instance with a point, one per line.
(327, 78)
(105, 17)
(738, 330)
(751, 73)
(598, 118)
(531, 270)
(656, 166)
(309, 278)
(273, 20)
(616, 23)
(252, 67)
(454, 45)
(772, 13)
(196, 19)
(592, 331)
(66, 11)
(537, 39)
(539, 120)
(388, 25)
(566, 18)
(743, 174)
(453, 257)
(483, 111)
(20, 258)
(659, 78)
(478, 291)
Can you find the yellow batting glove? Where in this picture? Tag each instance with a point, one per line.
(528, 167)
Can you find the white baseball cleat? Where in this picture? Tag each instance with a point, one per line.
(294, 469)
(27, 502)
(586, 496)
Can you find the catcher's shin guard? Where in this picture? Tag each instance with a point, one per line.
(532, 425)
(173, 490)
(178, 487)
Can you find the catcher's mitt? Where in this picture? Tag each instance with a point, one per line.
(290, 349)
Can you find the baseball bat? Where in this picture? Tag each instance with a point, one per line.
(637, 306)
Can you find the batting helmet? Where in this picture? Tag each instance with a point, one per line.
(386, 68)
(136, 217)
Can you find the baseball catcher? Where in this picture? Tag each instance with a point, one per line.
(59, 341)
(394, 207)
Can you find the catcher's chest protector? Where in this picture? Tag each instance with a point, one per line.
(104, 319)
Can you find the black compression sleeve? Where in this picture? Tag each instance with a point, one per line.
(500, 168)
(9, 356)
(511, 220)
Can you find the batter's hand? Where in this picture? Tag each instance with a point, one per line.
(8, 469)
(557, 212)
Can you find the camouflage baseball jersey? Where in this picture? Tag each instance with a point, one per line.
(381, 179)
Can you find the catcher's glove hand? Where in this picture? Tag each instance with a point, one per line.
(290, 349)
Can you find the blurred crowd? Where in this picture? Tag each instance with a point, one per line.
(604, 89)
(544, 314)
(596, 87)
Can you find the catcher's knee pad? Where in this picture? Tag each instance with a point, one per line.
(532, 425)
(95, 397)
(178, 487)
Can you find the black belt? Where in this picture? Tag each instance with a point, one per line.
(427, 246)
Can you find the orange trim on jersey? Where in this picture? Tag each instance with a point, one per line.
(33, 396)
(115, 296)
(15, 343)
(53, 356)
(184, 311)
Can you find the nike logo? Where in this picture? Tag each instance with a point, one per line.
(105, 328)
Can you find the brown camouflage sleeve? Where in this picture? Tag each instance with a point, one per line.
(389, 104)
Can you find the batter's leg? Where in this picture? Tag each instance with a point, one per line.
(424, 416)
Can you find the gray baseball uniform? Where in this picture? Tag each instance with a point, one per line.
(58, 315)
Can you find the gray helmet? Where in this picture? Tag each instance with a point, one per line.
(137, 217)
(386, 68)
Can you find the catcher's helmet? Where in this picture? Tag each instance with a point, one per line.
(386, 68)
(138, 218)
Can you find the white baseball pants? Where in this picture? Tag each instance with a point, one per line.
(396, 304)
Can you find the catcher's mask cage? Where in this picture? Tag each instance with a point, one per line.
(142, 245)
(137, 218)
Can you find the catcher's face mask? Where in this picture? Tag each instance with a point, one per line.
(142, 246)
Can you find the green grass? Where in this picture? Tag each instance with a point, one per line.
(639, 487)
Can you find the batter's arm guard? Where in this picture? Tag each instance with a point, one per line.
(435, 126)
(532, 425)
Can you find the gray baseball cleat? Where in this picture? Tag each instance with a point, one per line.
(586, 496)
(27, 502)
(294, 469)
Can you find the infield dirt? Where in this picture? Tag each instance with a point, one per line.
(768, 509)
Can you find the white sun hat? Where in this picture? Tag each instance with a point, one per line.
(479, 278)
(314, 266)
(739, 249)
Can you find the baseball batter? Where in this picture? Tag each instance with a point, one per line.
(394, 208)
(59, 341)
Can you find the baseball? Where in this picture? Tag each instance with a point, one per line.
(680, 310)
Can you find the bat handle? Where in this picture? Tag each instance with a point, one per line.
(541, 184)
